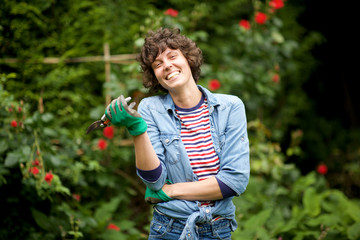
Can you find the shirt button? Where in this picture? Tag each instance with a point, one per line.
(207, 211)
(167, 140)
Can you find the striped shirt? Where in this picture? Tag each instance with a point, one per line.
(196, 137)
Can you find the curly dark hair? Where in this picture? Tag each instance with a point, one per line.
(157, 42)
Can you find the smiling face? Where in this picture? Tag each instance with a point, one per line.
(156, 43)
(172, 70)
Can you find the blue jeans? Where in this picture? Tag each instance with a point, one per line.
(164, 227)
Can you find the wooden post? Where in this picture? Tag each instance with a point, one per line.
(107, 72)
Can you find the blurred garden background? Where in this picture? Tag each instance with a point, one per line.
(62, 61)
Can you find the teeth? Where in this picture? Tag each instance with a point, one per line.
(171, 75)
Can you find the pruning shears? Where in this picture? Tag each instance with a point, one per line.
(102, 123)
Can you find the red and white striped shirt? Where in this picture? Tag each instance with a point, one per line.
(196, 137)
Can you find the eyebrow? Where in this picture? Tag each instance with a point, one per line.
(171, 51)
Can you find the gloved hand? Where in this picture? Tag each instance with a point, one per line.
(153, 197)
(122, 114)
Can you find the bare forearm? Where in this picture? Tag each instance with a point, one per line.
(195, 191)
(146, 158)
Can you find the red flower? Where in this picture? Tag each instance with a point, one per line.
(13, 123)
(36, 162)
(276, 78)
(48, 177)
(112, 226)
(245, 24)
(19, 109)
(102, 144)
(260, 17)
(77, 197)
(172, 12)
(276, 4)
(108, 132)
(214, 84)
(322, 169)
(34, 170)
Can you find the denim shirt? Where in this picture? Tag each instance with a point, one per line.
(229, 134)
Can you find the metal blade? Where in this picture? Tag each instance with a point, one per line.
(95, 125)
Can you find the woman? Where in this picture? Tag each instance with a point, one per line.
(191, 145)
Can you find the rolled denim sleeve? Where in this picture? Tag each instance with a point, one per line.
(235, 154)
(153, 133)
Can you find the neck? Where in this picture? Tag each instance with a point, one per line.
(188, 98)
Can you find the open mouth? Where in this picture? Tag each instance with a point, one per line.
(172, 75)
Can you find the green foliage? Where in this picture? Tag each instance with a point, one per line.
(283, 204)
(80, 172)
(69, 187)
(303, 209)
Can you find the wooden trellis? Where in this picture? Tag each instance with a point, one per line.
(107, 58)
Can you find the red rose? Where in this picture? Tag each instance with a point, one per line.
(13, 123)
(172, 12)
(77, 197)
(322, 169)
(48, 177)
(214, 85)
(112, 226)
(276, 4)
(276, 78)
(260, 17)
(108, 132)
(245, 24)
(102, 144)
(36, 162)
(34, 170)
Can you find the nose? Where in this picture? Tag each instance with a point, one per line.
(167, 64)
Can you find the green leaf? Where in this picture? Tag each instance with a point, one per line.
(113, 235)
(303, 234)
(288, 226)
(47, 117)
(304, 182)
(12, 159)
(105, 211)
(126, 224)
(63, 190)
(353, 232)
(55, 160)
(26, 150)
(3, 146)
(258, 220)
(277, 37)
(42, 220)
(312, 202)
(324, 219)
(354, 211)
(49, 132)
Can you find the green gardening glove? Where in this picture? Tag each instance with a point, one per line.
(153, 197)
(122, 114)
